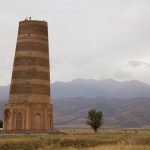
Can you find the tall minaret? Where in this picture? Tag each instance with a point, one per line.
(29, 106)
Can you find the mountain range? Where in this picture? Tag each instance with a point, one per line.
(106, 88)
(124, 104)
(92, 88)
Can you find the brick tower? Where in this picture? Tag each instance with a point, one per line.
(29, 107)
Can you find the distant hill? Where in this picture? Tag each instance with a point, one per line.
(129, 113)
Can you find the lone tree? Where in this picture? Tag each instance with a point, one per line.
(95, 119)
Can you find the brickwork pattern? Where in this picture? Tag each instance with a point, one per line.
(29, 107)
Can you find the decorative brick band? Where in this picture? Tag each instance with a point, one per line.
(29, 89)
(32, 37)
(32, 46)
(31, 61)
(31, 98)
(36, 68)
(30, 74)
(31, 40)
(31, 54)
(33, 81)
(28, 22)
(32, 29)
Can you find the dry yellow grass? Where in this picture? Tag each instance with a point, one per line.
(102, 147)
(115, 147)
(80, 139)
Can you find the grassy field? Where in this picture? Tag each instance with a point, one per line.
(80, 139)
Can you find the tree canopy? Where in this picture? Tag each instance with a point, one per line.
(95, 119)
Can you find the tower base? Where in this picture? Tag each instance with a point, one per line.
(28, 117)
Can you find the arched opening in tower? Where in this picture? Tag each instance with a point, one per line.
(37, 122)
(19, 120)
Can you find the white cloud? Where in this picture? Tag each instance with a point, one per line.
(135, 63)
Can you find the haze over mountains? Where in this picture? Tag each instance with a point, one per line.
(92, 88)
(105, 88)
(124, 104)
